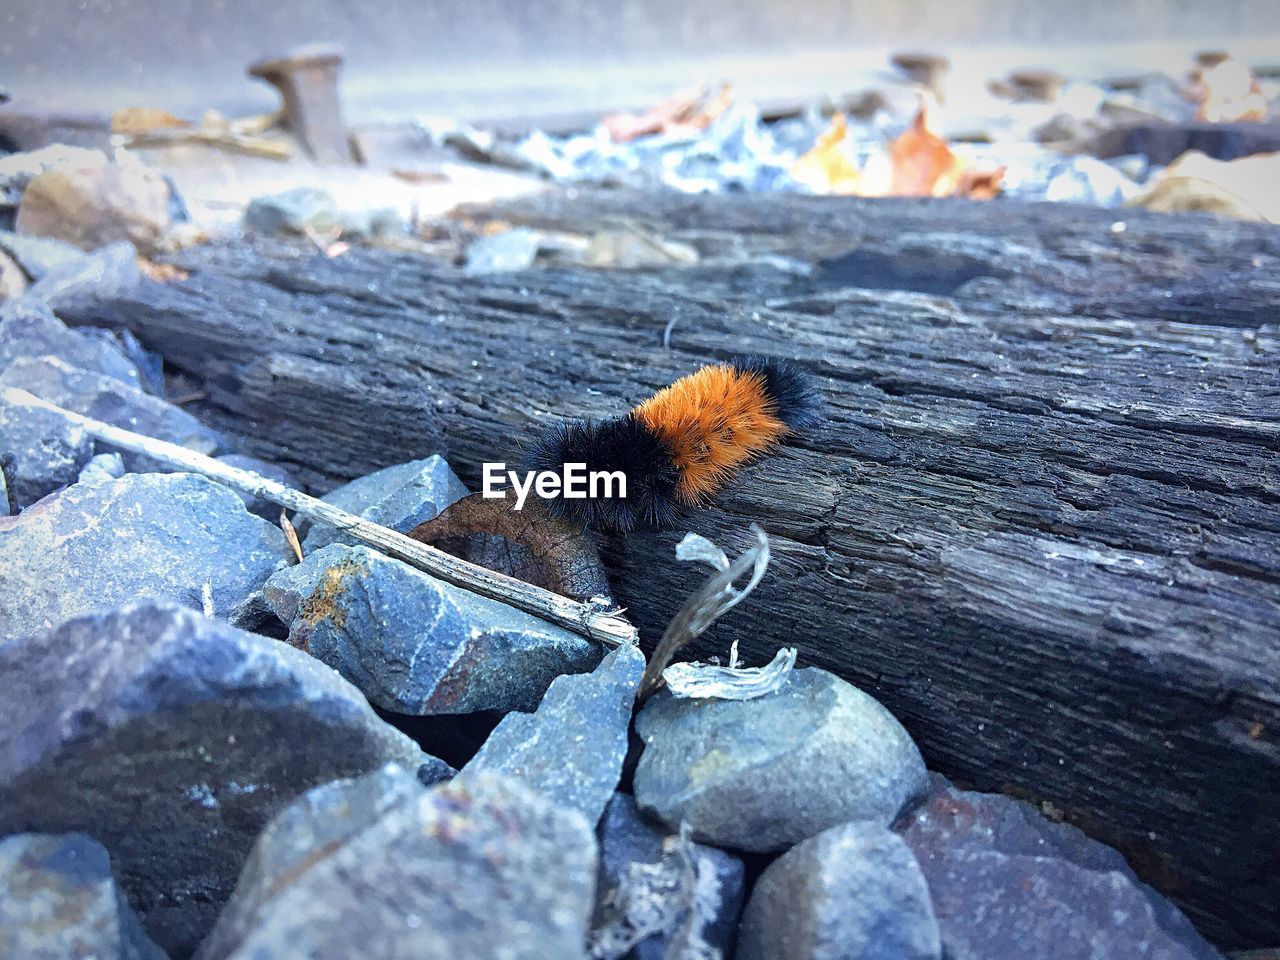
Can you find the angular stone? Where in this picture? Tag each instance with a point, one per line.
(58, 900)
(94, 205)
(293, 211)
(651, 894)
(415, 644)
(47, 452)
(173, 738)
(28, 329)
(571, 749)
(102, 466)
(146, 536)
(111, 401)
(260, 505)
(399, 497)
(1006, 881)
(764, 774)
(504, 252)
(465, 871)
(105, 274)
(852, 891)
(13, 282)
(17, 170)
(38, 255)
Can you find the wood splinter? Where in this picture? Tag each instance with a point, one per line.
(585, 619)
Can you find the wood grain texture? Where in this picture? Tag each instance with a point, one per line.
(1040, 521)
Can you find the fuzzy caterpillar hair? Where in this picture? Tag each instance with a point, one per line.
(682, 444)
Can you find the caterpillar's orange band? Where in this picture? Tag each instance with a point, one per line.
(714, 421)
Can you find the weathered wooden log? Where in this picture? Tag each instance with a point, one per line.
(1041, 521)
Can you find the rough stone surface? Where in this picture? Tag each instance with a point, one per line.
(112, 401)
(95, 205)
(17, 170)
(399, 497)
(259, 505)
(38, 255)
(172, 738)
(764, 774)
(58, 901)
(28, 329)
(47, 452)
(142, 537)
(102, 466)
(1006, 882)
(293, 211)
(504, 252)
(108, 273)
(638, 888)
(415, 644)
(13, 282)
(465, 871)
(571, 749)
(852, 891)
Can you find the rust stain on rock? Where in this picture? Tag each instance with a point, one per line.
(324, 603)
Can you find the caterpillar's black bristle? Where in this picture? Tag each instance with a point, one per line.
(791, 387)
(620, 443)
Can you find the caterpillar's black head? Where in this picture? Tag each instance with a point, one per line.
(791, 387)
(618, 444)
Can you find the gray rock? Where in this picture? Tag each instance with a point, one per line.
(47, 452)
(146, 536)
(7, 507)
(58, 900)
(19, 169)
(103, 466)
(371, 222)
(503, 252)
(571, 749)
(399, 497)
(415, 644)
(105, 274)
(433, 770)
(1008, 882)
(38, 255)
(658, 896)
(259, 505)
(851, 891)
(28, 329)
(112, 401)
(173, 738)
(465, 871)
(764, 774)
(293, 211)
(13, 282)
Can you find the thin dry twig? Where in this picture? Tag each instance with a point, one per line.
(715, 598)
(586, 619)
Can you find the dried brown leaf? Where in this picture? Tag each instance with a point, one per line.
(160, 272)
(143, 119)
(291, 535)
(528, 544)
(685, 112)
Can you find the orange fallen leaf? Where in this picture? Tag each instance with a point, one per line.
(133, 120)
(919, 163)
(160, 272)
(827, 166)
(686, 112)
(924, 164)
